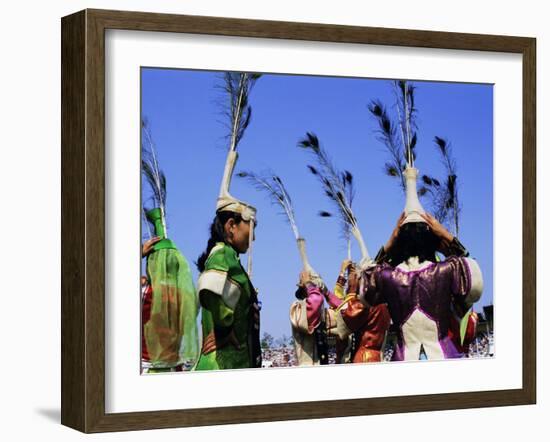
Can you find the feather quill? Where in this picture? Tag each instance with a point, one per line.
(387, 135)
(152, 172)
(237, 87)
(398, 136)
(449, 204)
(338, 187)
(271, 184)
(444, 197)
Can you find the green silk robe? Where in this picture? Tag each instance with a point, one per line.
(229, 305)
(171, 334)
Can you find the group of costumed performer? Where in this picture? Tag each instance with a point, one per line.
(169, 303)
(406, 285)
(426, 299)
(362, 335)
(230, 307)
(311, 321)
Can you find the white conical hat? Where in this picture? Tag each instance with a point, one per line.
(366, 260)
(315, 277)
(413, 208)
(226, 202)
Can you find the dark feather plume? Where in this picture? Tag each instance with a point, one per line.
(237, 87)
(312, 169)
(391, 170)
(387, 136)
(427, 180)
(151, 171)
(442, 144)
(337, 185)
(446, 203)
(150, 167)
(413, 141)
(348, 177)
(310, 142)
(272, 184)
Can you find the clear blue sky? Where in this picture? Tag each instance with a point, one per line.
(183, 110)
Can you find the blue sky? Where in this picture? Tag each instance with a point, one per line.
(184, 114)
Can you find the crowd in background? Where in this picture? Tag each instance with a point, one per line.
(284, 355)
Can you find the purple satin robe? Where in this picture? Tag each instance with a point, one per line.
(419, 303)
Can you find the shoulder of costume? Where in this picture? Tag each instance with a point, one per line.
(222, 263)
(377, 268)
(456, 248)
(221, 258)
(453, 259)
(217, 276)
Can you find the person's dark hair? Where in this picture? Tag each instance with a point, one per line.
(414, 239)
(217, 234)
(301, 293)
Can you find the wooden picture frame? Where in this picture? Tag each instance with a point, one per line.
(83, 219)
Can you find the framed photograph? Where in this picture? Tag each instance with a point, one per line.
(405, 158)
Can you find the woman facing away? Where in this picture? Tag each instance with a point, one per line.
(310, 320)
(420, 290)
(230, 310)
(169, 305)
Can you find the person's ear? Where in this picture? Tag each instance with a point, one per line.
(229, 225)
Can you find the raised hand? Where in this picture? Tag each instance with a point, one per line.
(148, 245)
(346, 263)
(436, 228)
(305, 277)
(395, 232)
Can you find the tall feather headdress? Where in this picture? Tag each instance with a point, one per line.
(444, 193)
(154, 176)
(400, 140)
(237, 87)
(338, 187)
(273, 186)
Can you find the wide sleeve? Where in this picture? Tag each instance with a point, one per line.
(222, 315)
(298, 317)
(466, 279)
(355, 315)
(350, 319)
(218, 293)
(369, 286)
(314, 307)
(339, 291)
(339, 287)
(216, 279)
(335, 299)
(354, 312)
(455, 248)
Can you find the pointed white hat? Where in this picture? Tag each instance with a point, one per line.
(226, 202)
(413, 208)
